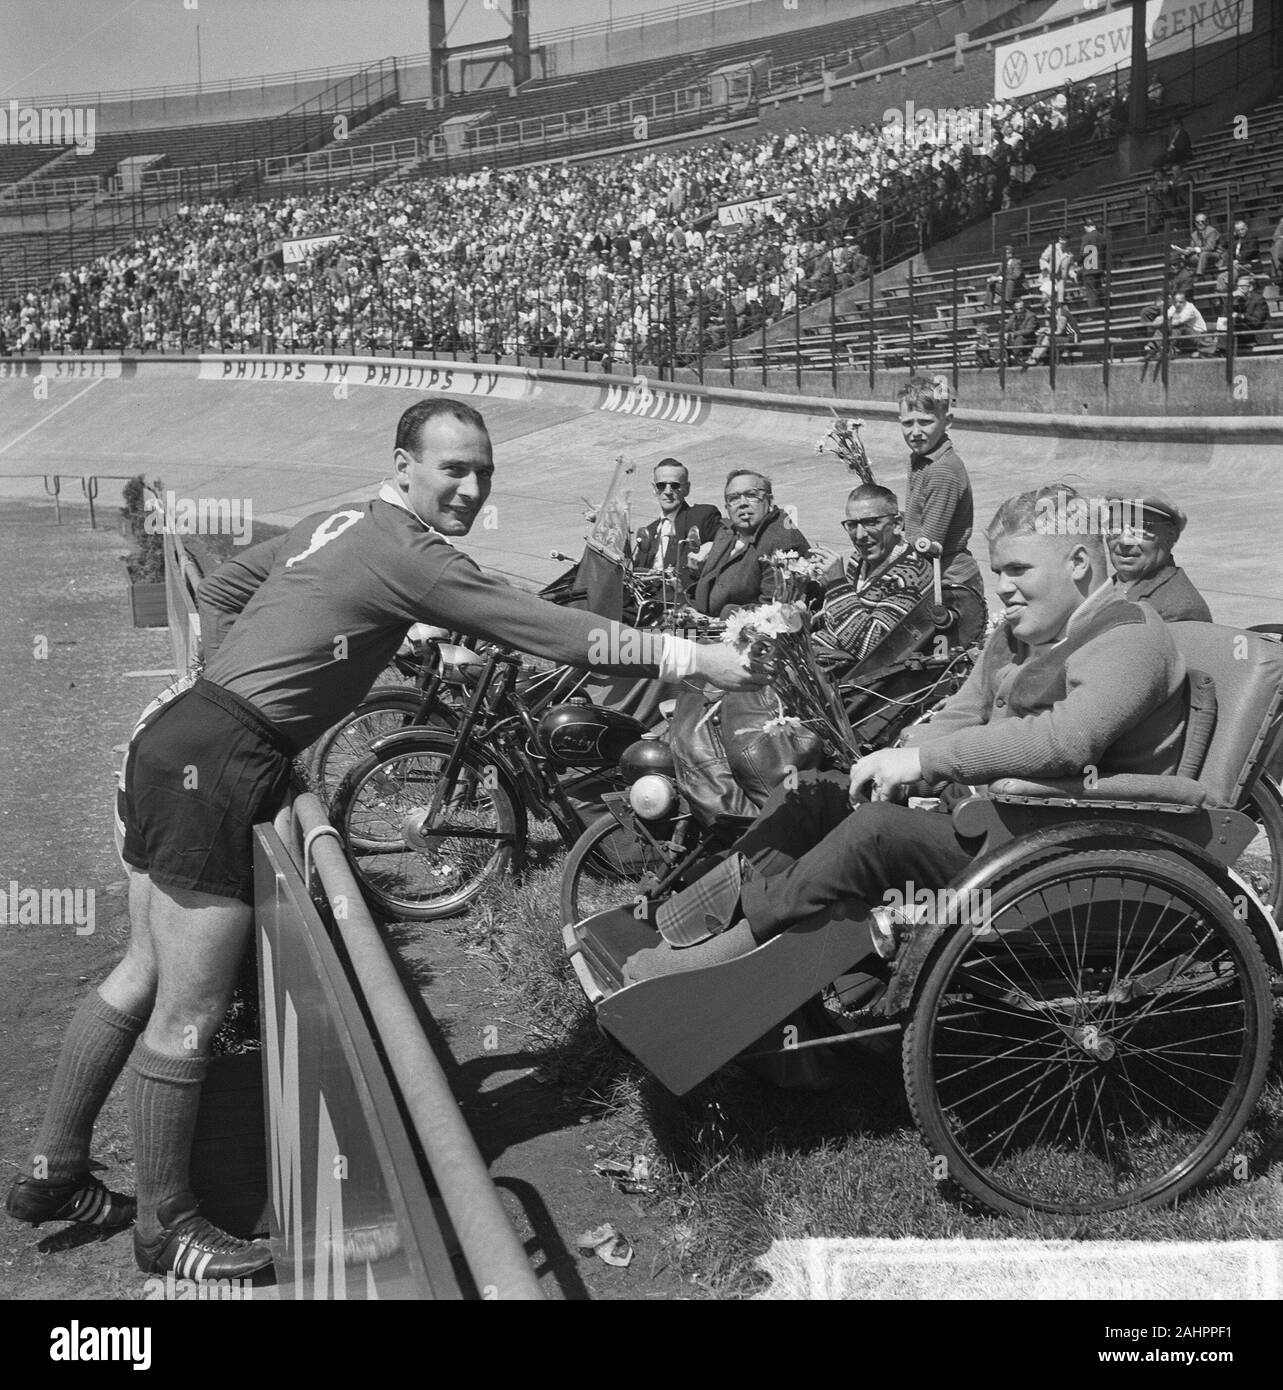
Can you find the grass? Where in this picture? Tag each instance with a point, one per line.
(738, 1164)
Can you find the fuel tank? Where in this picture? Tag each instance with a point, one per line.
(581, 734)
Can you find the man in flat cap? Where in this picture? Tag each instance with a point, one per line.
(1143, 565)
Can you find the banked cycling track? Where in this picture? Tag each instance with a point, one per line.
(293, 435)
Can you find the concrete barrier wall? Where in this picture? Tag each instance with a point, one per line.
(1196, 391)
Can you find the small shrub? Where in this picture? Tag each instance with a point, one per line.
(147, 563)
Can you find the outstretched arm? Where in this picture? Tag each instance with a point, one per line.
(493, 610)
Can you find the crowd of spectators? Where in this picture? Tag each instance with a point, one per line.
(1068, 280)
(616, 260)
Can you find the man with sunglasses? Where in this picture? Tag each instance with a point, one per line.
(732, 574)
(656, 544)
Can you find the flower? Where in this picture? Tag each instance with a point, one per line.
(777, 640)
(750, 625)
(843, 439)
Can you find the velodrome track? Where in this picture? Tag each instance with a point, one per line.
(293, 447)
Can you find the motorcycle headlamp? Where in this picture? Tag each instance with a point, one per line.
(652, 797)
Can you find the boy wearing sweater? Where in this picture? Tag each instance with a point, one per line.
(937, 500)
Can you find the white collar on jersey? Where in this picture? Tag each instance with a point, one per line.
(389, 492)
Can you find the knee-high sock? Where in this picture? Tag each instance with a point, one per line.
(96, 1047)
(164, 1097)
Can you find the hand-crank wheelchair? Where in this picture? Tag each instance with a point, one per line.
(1098, 1035)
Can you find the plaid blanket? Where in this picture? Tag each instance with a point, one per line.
(707, 908)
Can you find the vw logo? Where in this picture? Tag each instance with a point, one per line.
(1225, 13)
(1015, 69)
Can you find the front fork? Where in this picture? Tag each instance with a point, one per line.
(688, 844)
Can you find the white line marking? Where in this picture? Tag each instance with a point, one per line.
(4, 448)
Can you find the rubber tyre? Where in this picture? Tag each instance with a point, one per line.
(603, 856)
(1265, 806)
(385, 710)
(425, 885)
(934, 1083)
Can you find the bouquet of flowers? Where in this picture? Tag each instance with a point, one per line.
(777, 641)
(843, 439)
(796, 576)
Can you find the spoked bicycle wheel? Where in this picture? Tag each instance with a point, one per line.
(1096, 1040)
(408, 867)
(385, 710)
(1261, 863)
(605, 868)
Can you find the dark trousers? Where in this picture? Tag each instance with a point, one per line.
(811, 852)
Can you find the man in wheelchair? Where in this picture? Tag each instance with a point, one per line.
(1077, 681)
(873, 613)
(870, 595)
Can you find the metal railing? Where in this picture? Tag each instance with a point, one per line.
(568, 125)
(54, 190)
(335, 161)
(196, 177)
(358, 97)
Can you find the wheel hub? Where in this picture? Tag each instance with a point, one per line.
(1094, 1041)
(412, 830)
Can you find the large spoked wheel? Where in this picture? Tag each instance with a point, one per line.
(410, 867)
(1098, 1041)
(385, 710)
(1261, 863)
(605, 867)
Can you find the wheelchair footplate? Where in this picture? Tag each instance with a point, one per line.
(685, 1026)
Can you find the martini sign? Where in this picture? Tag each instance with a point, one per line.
(1079, 52)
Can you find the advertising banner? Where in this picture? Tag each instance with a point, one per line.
(731, 213)
(1078, 52)
(296, 251)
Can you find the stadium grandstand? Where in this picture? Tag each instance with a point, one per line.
(603, 281)
(744, 205)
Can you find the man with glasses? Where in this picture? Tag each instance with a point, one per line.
(1143, 564)
(732, 574)
(869, 590)
(656, 544)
